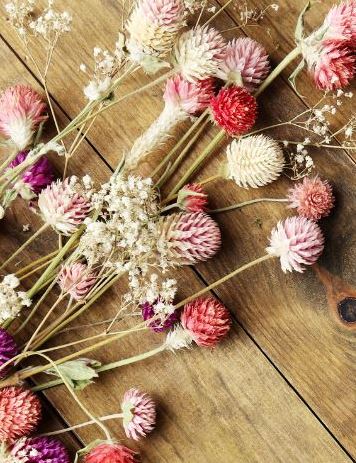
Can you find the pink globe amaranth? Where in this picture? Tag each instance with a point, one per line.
(312, 197)
(20, 413)
(76, 280)
(8, 350)
(340, 22)
(335, 65)
(206, 320)
(192, 198)
(36, 177)
(297, 242)
(139, 412)
(193, 97)
(111, 453)
(163, 12)
(158, 325)
(40, 450)
(21, 111)
(189, 238)
(246, 63)
(234, 110)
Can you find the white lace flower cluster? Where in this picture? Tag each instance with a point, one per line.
(11, 301)
(18, 13)
(106, 65)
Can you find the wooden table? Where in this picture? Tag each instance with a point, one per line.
(281, 388)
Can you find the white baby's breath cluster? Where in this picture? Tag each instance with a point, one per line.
(250, 15)
(51, 23)
(19, 12)
(160, 294)
(11, 301)
(106, 65)
(300, 163)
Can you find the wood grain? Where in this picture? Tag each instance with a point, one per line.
(233, 404)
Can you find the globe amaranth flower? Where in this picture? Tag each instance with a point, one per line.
(153, 28)
(297, 242)
(312, 197)
(330, 51)
(192, 198)
(21, 111)
(76, 280)
(35, 178)
(8, 350)
(234, 110)
(332, 64)
(163, 320)
(40, 450)
(20, 413)
(139, 414)
(111, 453)
(182, 99)
(205, 321)
(245, 63)
(198, 53)
(64, 205)
(340, 22)
(254, 161)
(188, 238)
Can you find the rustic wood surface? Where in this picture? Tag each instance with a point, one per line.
(281, 388)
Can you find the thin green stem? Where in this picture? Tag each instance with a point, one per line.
(115, 416)
(276, 71)
(199, 160)
(247, 203)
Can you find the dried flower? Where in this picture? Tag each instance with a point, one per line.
(182, 99)
(153, 27)
(313, 198)
(11, 301)
(207, 320)
(340, 22)
(21, 111)
(163, 320)
(254, 161)
(192, 97)
(35, 178)
(188, 238)
(20, 413)
(297, 241)
(111, 453)
(139, 412)
(198, 53)
(331, 63)
(76, 280)
(246, 63)
(8, 350)
(64, 205)
(234, 110)
(40, 450)
(192, 198)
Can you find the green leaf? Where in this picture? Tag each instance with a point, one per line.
(78, 373)
(299, 30)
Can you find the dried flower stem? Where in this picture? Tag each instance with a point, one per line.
(247, 203)
(199, 160)
(36, 262)
(114, 416)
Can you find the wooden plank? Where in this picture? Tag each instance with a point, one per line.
(228, 404)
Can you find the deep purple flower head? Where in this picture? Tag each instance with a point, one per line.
(8, 350)
(40, 450)
(163, 322)
(36, 178)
